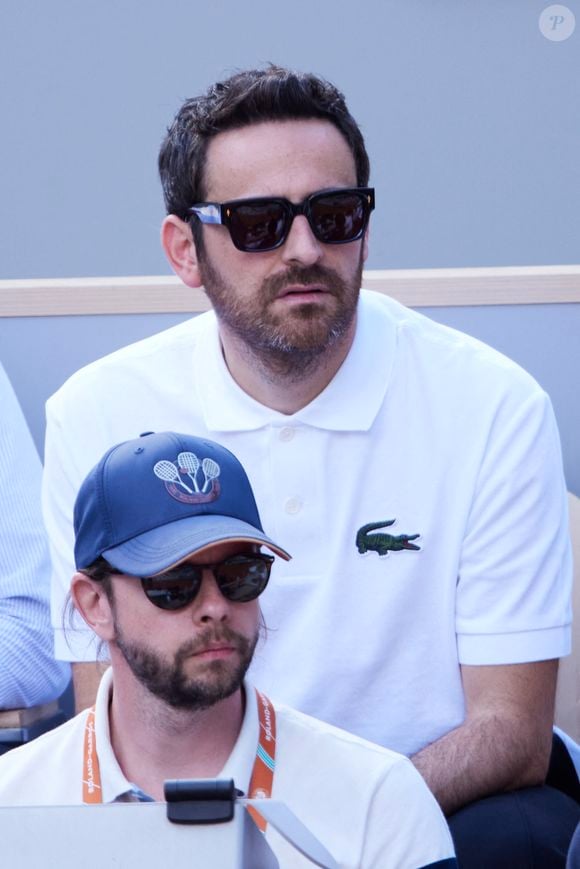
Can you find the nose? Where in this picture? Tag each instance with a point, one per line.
(301, 245)
(210, 605)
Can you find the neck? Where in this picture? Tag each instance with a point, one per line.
(153, 742)
(287, 383)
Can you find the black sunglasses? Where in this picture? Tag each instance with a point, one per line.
(255, 225)
(241, 578)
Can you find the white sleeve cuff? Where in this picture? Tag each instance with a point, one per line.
(514, 648)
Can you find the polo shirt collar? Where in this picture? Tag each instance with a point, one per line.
(114, 783)
(350, 402)
(113, 780)
(240, 763)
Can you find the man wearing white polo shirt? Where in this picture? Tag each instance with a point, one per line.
(414, 473)
(170, 569)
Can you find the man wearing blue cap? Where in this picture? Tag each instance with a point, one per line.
(169, 571)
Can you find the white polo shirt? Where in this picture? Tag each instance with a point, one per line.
(423, 430)
(367, 805)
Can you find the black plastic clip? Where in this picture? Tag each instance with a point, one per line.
(200, 801)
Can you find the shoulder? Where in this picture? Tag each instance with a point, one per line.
(361, 800)
(439, 353)
(46, 770)
(6, 391)
(12, 423)
(158, 355)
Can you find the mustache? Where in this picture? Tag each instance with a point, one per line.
(211, 637)
(314, 274)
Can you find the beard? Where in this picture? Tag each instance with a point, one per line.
(168, 679)
(288, 345)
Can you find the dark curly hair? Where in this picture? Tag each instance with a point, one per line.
(248, 97)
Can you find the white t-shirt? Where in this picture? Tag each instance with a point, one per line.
(423, 427)
(368, 806)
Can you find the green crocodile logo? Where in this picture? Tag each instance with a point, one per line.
(383, 543)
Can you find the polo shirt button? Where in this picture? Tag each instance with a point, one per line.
(293, 506)
(286, 433)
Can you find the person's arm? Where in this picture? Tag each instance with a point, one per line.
(29, 674)
(65, 449)
(512, 607)
(504, 742)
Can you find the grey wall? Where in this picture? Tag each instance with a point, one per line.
(470, 114)
(471, 117)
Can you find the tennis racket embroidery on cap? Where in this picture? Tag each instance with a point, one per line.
(200, 488)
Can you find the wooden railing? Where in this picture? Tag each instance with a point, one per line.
(513, 285)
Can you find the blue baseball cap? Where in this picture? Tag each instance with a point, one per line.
(153, 501)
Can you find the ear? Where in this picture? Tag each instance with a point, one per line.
(177, 242)
(91, 601)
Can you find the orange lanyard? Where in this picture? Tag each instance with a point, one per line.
(262, 774)
(91, 771)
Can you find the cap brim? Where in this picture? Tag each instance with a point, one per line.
(168, 545)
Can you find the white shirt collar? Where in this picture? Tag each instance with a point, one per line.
(363, 379)
(113, 781)
(240, 763)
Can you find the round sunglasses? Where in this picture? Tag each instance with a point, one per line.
(263, 223)
(240, 579)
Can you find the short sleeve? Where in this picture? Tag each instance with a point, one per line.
(513, 594)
